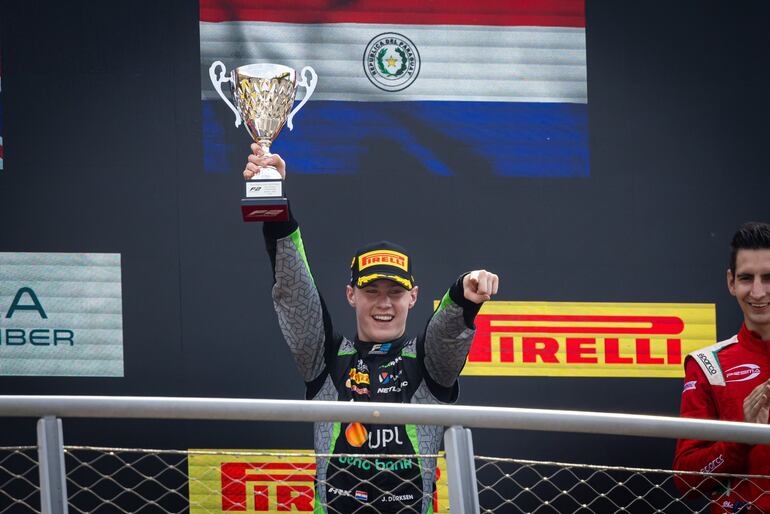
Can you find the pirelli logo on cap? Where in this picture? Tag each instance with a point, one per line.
(387, 257)
(588, 339)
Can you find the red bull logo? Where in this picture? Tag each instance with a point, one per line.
(358, 377)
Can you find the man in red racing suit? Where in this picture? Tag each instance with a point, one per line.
(729, 381)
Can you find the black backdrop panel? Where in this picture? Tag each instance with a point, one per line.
(103, 154)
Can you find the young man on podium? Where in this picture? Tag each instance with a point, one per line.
(380, 363)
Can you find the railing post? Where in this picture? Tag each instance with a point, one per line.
(53, 480)
(461, 471)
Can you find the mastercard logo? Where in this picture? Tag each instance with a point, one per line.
(356, 434)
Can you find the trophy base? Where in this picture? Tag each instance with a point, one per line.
(265, 209)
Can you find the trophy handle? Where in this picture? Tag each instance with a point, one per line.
(218, 81)
(309, 86)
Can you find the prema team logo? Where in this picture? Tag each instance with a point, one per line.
(742, 373)
(590, 339)
(391, 61)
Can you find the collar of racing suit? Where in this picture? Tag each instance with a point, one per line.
(389, 348)
(751, 341)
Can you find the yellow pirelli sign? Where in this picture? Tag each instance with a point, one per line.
(588, 339)
(273, 481)
(389, 257)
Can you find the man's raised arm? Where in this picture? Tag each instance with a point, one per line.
(301, 313)
(450, 331)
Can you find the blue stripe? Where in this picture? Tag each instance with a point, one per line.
(444, 138)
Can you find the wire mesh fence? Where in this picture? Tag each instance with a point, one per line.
(121, 480)
(19, 480)
(526, 486)
(124, 480)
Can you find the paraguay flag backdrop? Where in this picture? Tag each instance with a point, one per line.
(505, 79)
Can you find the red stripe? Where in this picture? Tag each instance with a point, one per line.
(274, 465)
(277, 478)
(283, 465)
(658, 325)
(530, 13)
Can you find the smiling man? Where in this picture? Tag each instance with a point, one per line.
(729, 381)
(381, 363)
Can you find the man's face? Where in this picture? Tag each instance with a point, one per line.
(750, 284)
(381, 309)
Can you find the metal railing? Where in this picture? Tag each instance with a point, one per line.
(132, 480)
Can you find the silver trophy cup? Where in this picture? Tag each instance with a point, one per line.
(264, 95)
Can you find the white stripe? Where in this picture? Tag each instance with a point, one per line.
(65, 289)
(458, 62)
(65, 320)
(60, 258)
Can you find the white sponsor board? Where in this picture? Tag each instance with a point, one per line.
(264, 189)
(61, 314)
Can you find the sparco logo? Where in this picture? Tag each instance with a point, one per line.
(742, 373)
(706, 362)
(714, 464)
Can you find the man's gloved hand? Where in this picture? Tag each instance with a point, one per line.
(258, 160)
(480, 285)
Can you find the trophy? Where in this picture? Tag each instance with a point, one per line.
(264, 95)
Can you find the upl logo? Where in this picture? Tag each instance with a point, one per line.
(25, 310)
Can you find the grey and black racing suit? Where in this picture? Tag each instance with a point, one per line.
(411, 369)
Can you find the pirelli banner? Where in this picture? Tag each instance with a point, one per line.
(266, 481)
(588, 339)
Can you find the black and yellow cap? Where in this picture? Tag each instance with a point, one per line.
(381, 260)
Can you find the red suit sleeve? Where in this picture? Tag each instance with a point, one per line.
(705, 456)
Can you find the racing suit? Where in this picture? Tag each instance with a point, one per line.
(411, 369)
(717, 379)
